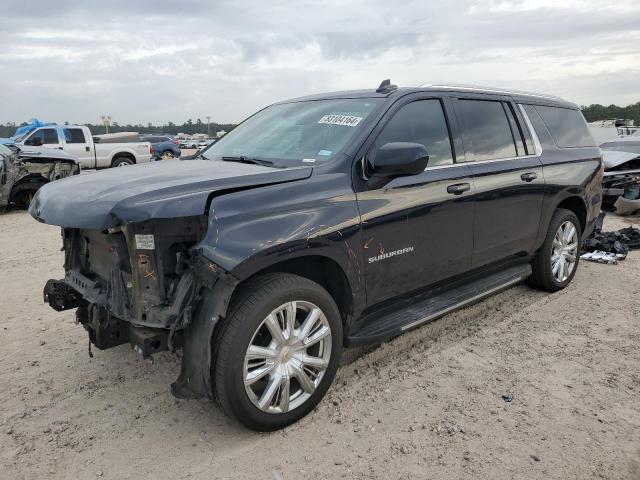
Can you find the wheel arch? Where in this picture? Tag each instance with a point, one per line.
(29, 182)
(128, 155)
(320, 269)
(576, 205)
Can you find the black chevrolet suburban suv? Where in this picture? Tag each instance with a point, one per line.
(320, 223)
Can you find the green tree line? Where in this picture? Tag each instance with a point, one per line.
(592, 113)
(600, 112)
(189, 127)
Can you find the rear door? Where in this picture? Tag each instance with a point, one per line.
(77, 144)
(507, 174)
(417, 230)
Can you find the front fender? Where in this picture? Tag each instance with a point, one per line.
(252, 230)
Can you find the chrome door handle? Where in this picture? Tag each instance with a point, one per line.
(529, 177)
(458, 188)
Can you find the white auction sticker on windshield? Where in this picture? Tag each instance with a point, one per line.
(346, 120)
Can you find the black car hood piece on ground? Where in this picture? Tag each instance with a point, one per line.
(137, 193)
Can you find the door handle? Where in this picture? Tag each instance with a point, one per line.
(59, 148)
(529, 177)
(87, 149)
(458, 188)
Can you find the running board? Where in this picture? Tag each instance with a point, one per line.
(430, 307)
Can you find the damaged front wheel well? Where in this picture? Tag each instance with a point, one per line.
(319, 269)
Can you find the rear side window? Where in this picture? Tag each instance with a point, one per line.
(567, 127)
(74, 135)
(487, 132)
(421, 122)
(546, 142)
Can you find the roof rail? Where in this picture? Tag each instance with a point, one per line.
(490, 90)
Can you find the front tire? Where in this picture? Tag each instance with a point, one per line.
(556, 263)
(278, 351)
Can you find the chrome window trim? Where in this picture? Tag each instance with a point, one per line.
(493, 160)
(536, 142)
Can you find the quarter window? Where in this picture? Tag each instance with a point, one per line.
(546, 142)
(567, 127)
(74, 135)
(423, 122)
(487, 133)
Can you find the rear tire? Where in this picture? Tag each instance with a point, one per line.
(122, 162)
(554, 256)
(245, 350)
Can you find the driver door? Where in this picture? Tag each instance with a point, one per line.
(45, 136)
(418, 230)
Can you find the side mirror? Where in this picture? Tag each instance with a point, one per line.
(399, 159)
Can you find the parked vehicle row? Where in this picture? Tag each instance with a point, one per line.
(163, 147)
(78, 141)
(324, 222)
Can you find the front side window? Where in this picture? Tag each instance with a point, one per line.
(487, 133)
(567, 127)
(47, 136)
(422, 122)
(74, 135)
(298, 133)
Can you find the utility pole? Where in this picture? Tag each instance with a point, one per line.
(208, 126)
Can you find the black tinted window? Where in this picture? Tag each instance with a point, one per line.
(487, 133)
(546, 142)
(421, 122)
(567, 127)
(74, 135)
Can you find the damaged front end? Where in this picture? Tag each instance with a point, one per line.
(142, 284)
(22, 173)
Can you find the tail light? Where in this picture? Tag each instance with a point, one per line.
(177, 142)
(151, 149)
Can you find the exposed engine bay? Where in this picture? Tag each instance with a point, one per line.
(139, 284)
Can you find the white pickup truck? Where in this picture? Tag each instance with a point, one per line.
(78, 141)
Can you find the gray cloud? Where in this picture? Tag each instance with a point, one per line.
(164, 61)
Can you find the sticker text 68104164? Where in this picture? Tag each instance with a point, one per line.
(346, 120)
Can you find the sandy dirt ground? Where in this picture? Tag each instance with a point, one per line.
(427, 405)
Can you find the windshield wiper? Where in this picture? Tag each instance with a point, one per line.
(242, 159)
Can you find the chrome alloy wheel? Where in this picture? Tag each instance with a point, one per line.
(564, 251)
(287, 357)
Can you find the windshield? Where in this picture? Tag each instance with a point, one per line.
(297, 133)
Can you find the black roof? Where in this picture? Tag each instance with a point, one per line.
(518, 96)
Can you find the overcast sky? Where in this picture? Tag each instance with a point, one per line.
(159, 61)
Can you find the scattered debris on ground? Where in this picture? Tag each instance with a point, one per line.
(610, 247)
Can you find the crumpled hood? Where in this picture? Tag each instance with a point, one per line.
(166, 189)
(614, 158)
(45, 153)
